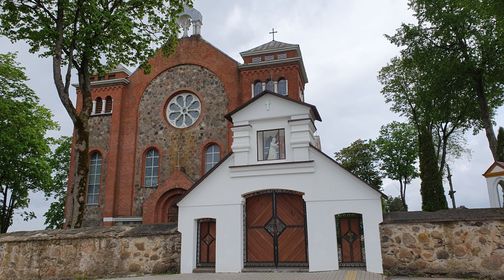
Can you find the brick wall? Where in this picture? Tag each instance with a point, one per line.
(90, 252)
(453, 243)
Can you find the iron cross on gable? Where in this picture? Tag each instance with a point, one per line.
(273, 33)
(268, 105)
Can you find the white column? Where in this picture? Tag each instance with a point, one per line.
(93, 111)
(103, 106)
(111, 105)
(275, 86)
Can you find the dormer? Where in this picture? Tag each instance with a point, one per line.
(274, 66)
(271, 128)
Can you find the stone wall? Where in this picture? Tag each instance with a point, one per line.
(89, 253)
(453, 243)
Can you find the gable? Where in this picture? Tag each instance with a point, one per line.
(268, 105)
(496, 169)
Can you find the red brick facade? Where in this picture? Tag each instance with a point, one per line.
(138, 122)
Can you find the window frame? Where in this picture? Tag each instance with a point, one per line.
(205, 157)
(94, 170)
(281, 144)
(151, 167)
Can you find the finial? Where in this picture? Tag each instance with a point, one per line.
(273, 33)
(189, 17)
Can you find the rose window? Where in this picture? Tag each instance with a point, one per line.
(183, 110)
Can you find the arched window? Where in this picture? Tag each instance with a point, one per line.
(99, 105)
(282, 86)
(108, 104)
(257, 87)
(151, 168)
(270, 85)
(212, 156)
(93, 190)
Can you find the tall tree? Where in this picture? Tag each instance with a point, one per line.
(60, 165)
(397, 149)
(89, 36)
(24, 150)
(471, 35)
(360, 159)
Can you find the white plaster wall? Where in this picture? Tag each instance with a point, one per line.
(328, 190)
(493, 193)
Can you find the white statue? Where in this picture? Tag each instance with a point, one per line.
(273, 149)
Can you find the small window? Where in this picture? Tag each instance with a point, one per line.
(256, 59)
(93, 190)
(282, 87)
(151, 168)
(99, 105)
(270, 85)
(212, 157)
(257, 87)
(108, 104)
(282, 56)
(271, 144)
(101, 77)
(269, 57)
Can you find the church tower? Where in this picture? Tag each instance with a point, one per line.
(153, 135)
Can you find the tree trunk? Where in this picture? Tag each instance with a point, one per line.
(485, 114)
(431, 188)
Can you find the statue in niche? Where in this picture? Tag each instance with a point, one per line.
(273, 149)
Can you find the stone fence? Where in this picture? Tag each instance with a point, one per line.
(452, 243)
(89, 252)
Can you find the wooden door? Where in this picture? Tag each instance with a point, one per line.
(350, 240)
(276, 232)
(206, 243)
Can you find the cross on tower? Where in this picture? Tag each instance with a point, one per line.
(273, 33)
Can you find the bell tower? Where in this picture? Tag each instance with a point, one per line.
(274, 66)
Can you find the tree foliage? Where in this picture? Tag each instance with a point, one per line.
(24, 150)
(88, 36)
(397, 149)
(393, 204)
(461, 42)
(60, 165)
(360, 159)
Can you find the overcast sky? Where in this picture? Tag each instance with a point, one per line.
(343, 47)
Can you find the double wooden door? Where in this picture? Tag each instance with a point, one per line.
(350, 236)
(276, 230)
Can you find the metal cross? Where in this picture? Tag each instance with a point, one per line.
(273, 33)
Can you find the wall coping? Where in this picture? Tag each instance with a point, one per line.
(90, 232)
(450, 215)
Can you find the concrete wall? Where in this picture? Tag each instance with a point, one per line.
(91, 252)
(454, 243)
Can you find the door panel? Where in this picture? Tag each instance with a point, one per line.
(206, 240)
(351, 247)
(276, 234)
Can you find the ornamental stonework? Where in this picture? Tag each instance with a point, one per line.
(179, 147)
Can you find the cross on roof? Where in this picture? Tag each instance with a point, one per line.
(273, 33)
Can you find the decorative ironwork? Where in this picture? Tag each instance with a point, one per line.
(275, 226)
(350, 236)
(208, 239)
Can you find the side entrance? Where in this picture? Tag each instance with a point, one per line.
(275, 229)
(350, 240)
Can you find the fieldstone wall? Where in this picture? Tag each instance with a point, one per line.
(179, 148)
(99, 139)
(453, 243)
(90, 253)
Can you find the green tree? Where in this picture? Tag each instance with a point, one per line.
(360, 159)
(393, 204)
(397, 149)
(89, 36)
(24, 150)
(60, 165)
(467, 36)
(500, 144)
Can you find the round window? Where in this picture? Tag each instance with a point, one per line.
(183, 110)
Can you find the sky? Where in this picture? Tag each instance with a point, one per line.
(343, 47)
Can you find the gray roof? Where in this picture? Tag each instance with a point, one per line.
(269, 47)
(120, 68)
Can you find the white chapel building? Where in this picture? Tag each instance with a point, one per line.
(277, 201)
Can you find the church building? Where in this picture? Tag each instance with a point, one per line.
(226, 151)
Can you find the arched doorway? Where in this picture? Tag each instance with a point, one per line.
(350, 237)
(500, 193)
(275, 229)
